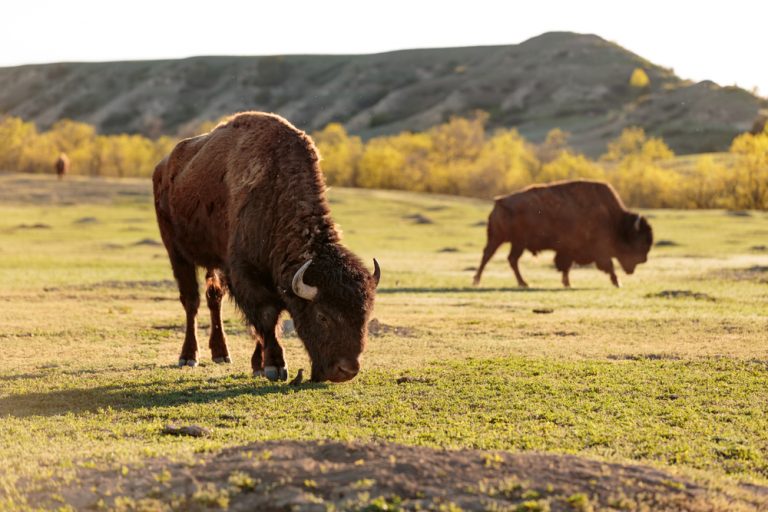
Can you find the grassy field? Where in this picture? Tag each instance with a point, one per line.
(670, 371)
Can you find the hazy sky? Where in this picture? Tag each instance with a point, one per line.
(716, 40)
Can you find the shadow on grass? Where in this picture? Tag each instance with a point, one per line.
(128, 395)
(472, 289)
(49, 371)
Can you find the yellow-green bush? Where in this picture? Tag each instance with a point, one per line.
(568, 166)
(639, 78)
(706, 185)
(751, 169)
(341, 154)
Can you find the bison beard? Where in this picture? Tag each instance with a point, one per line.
(247, 202)
(582, 221)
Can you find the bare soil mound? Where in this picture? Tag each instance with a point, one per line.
(294, 475)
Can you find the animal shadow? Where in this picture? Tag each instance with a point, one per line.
(127, 395)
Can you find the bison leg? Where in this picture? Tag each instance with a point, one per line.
(189, 294)
(488, 252)
(514, 256)
(607, 266)
(261, 307)
(274, 361)
(563, 264)
(214, 292)
(257, 359)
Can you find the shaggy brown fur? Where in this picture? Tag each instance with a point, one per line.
(247, 202)
(582, 221)
(62, 165)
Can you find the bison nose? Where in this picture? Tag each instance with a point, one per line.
(343, 370)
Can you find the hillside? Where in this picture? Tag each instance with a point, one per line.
(579, 83)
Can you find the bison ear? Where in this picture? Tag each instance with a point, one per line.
(376, 272)
(300, 288)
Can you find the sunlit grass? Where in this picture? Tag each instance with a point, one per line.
(669, 370)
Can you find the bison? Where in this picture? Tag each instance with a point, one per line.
(61, 165)
(247, 202)
(582, 221)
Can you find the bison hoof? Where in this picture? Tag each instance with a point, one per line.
(187, 362)
(258, 373)
(225, 359)
(274, 373)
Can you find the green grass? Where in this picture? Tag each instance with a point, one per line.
(90, 325)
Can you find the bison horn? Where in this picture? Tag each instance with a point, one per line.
(376, 272)
(300, 288)
(637, 223)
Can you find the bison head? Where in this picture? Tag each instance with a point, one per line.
(636, 239)
(331, 317)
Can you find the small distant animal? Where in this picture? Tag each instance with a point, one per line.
(62, 165)
(247, 202)
(298, 378)
(582, 221)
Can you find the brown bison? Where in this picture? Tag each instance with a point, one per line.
(247, 202)
(582, 221)
(62, 165)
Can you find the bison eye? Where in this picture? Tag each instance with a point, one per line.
(322, 318)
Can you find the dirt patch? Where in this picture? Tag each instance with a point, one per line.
(738, 213)
(448, 249)
(666, 243)
(407, 379)
(759, 248)
(561, 334)
(169, 327)
(681, 294)
(543, 311)
(37, 225)
(150, 242)
(755, 273)
(187, 430)
(320, 476)
(376, 328)
(87, 220)
(418, 218)
(643, 357)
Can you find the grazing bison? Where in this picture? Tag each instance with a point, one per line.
(61, 165)
(582, 221)
(247, 202)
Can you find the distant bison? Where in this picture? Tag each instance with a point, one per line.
(62, 165)
(247, 202)
(582, 221)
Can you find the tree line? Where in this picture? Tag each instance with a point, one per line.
(459, 157)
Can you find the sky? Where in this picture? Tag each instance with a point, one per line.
(700, 40)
